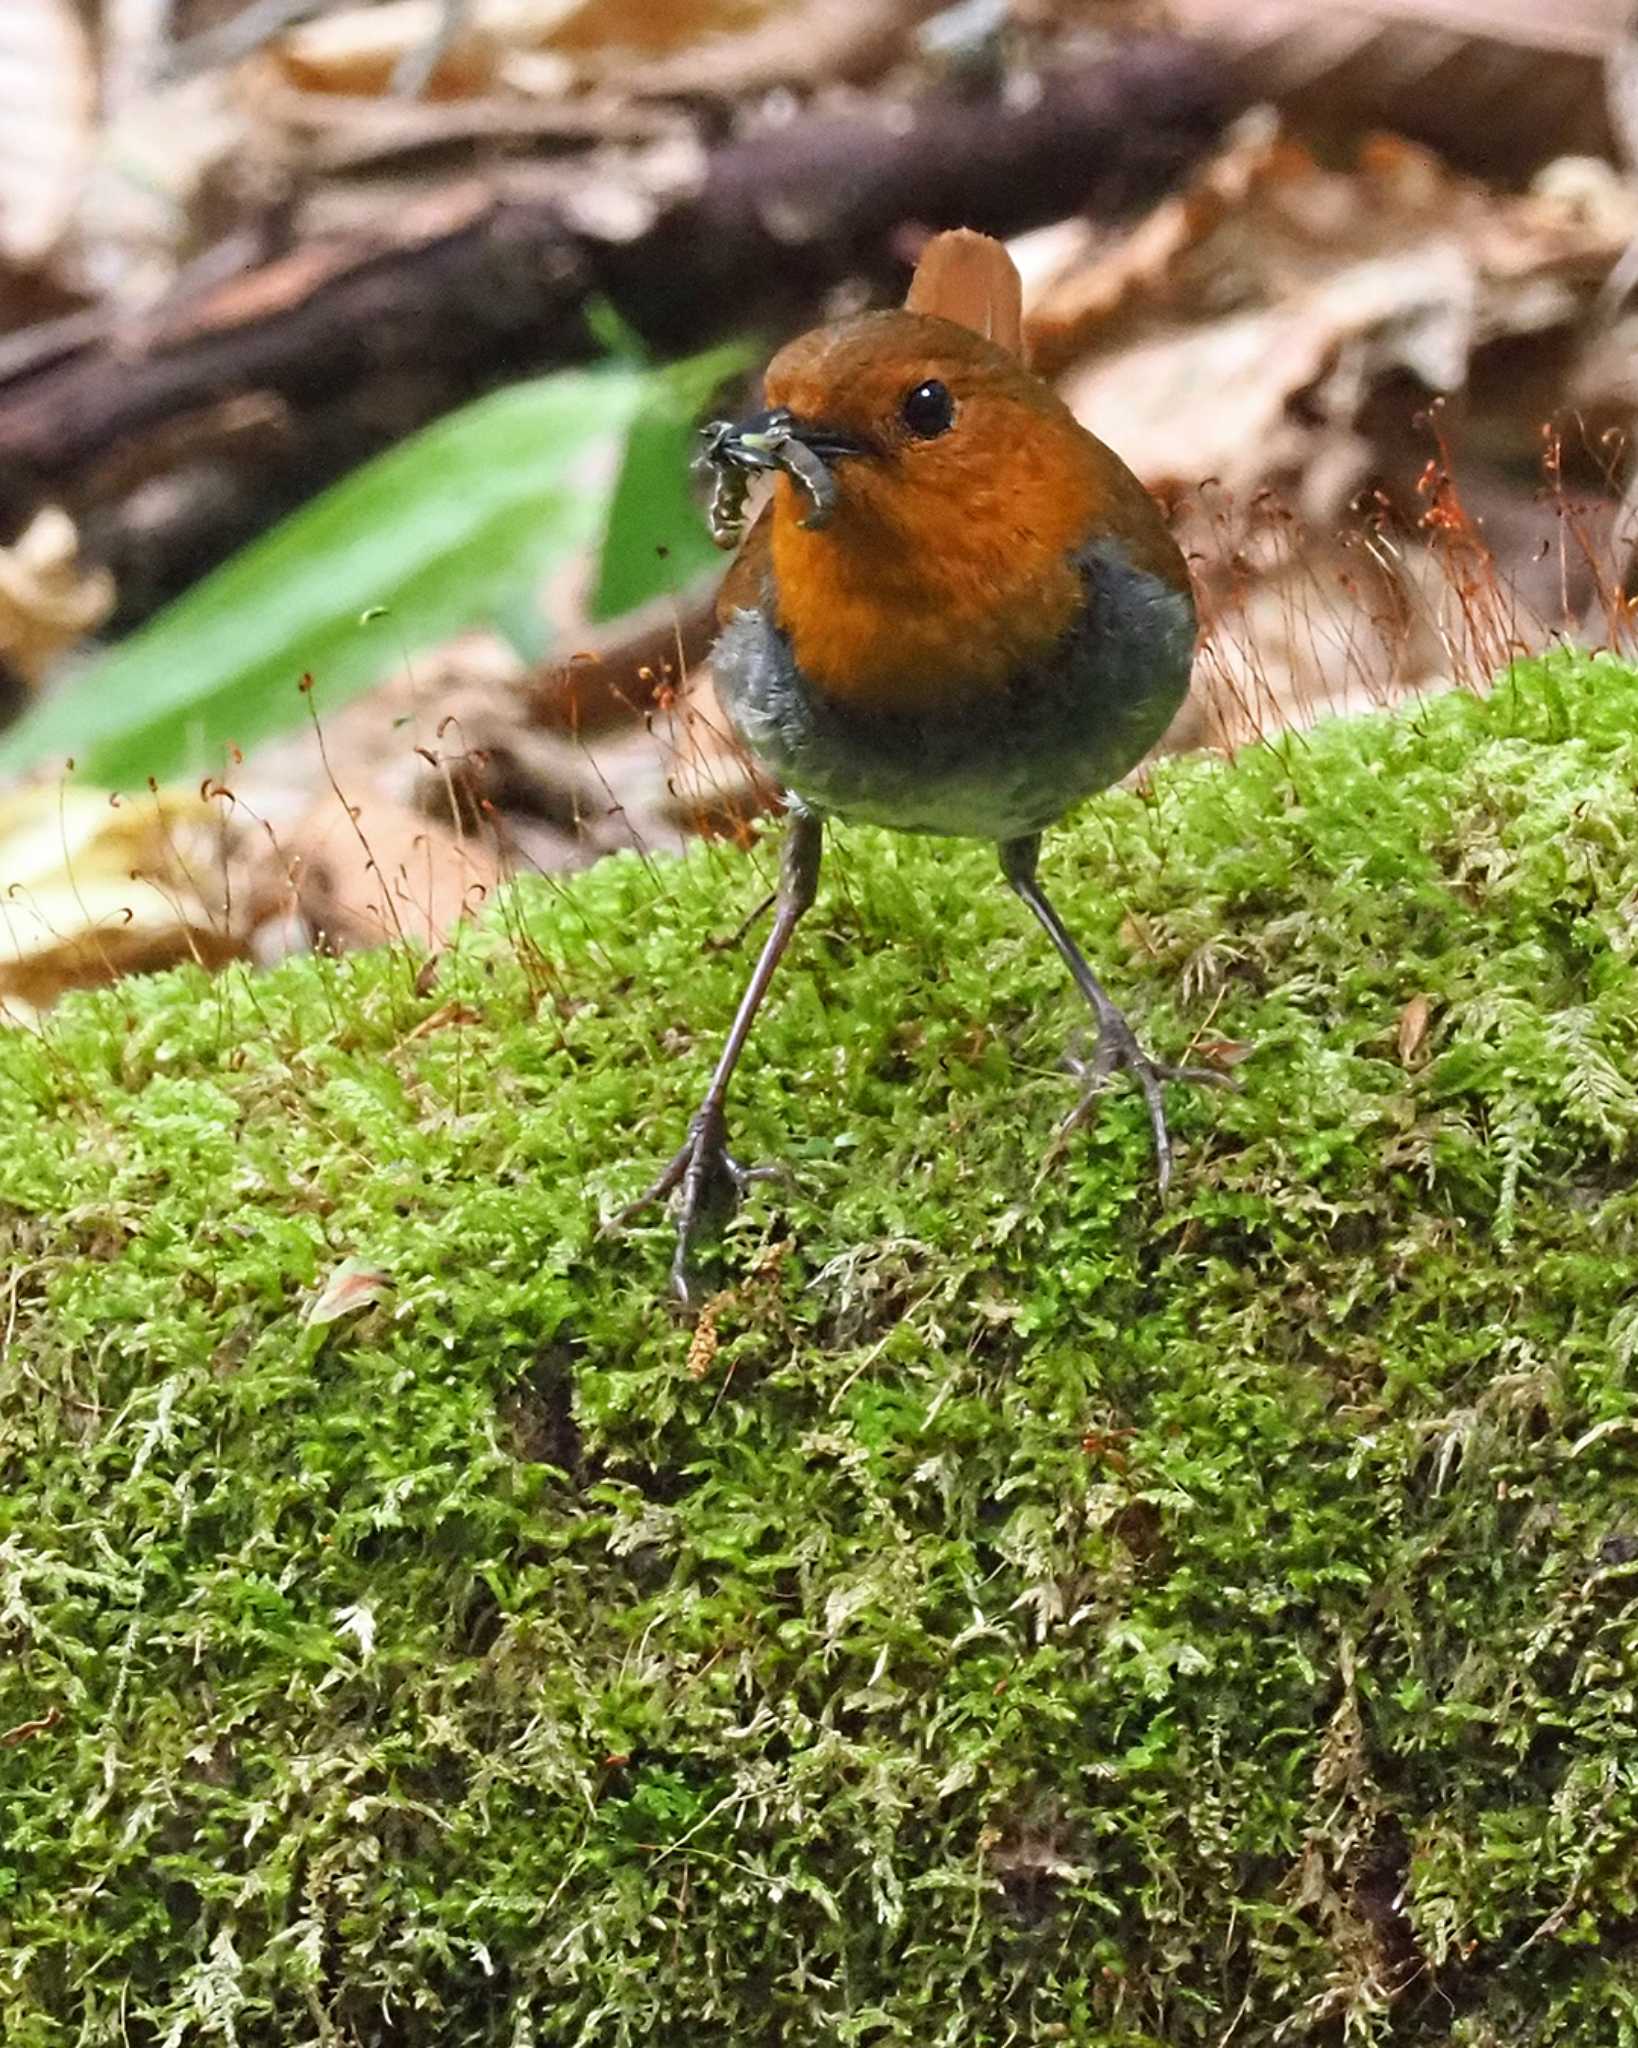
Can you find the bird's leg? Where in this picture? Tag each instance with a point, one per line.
(1117, 1044)
(710, 1178)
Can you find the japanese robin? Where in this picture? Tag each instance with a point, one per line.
(958, 613)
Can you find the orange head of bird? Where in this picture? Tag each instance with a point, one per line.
(931, 498)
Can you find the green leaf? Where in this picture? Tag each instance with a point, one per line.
(657, 538)
(458, 526)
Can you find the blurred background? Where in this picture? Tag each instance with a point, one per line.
(352, 358)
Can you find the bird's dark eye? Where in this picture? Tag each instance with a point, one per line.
(928, 411)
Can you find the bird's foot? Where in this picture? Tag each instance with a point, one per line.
(1117, 1050)
(709, 1183)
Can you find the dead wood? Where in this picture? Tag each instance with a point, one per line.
(489, 279)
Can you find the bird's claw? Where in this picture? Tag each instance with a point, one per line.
(1117, 1049)
(709, 1182)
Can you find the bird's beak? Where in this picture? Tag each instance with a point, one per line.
(778, 440)
(766, 439)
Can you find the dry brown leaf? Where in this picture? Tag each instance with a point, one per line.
(351, 1287)
(629, 50)
(25, 1731)
(336, 133)
(1413, 1030)
(799, 43)
(48, 93)
(162, 186)
(377, 870)
(600, 25)
(451, 1016)
(455, 783)
(1258, 348)
(48, 600)
(1226, 1053)
(1272, 279)
(93, 887)
(541, 46)
(357, 50)
(1500, 85)
(1330, 624)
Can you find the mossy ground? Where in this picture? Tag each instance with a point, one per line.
(1044, 1616)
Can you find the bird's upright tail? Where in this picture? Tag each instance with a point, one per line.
(969, 278)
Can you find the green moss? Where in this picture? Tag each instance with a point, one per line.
(1046, 1617)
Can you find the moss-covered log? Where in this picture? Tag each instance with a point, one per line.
(1019, 1613)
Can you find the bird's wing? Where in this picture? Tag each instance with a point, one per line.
(969, 278)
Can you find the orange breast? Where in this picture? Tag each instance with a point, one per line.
(912, 597)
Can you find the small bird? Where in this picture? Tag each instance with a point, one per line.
(958, 613)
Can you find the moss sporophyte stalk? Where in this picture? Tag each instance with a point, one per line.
(1036, 1615)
